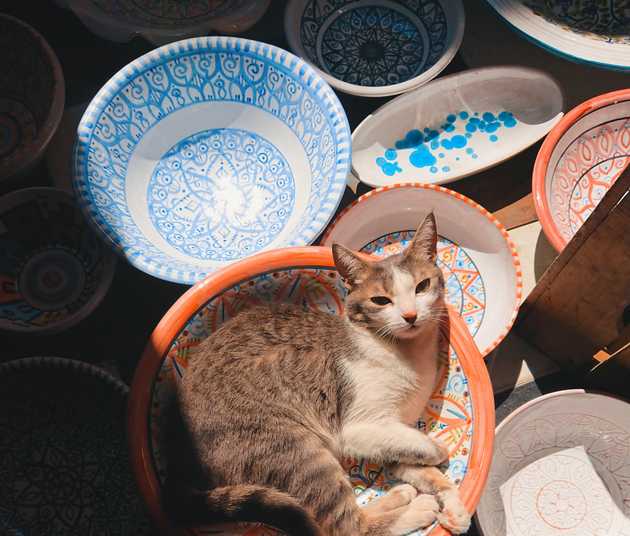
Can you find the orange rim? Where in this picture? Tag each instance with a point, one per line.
(198, 296)
(511, 246)
(541, 164)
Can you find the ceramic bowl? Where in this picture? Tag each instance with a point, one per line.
(54, 271)
(375, 48)
(553, 480)
(594, 32)
(63, 457)
(167, 20)
(579, 161)
(32, 95)
(461, 411)
(482, 271)
(456, 126)
(208, 150)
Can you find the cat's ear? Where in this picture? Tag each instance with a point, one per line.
(349, 265)
(424, 243)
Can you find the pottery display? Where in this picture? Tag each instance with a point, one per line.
(482, 271)
(32, 94)
(63, 456)
(579, 161)
(167, 20)
(54, 271)
(560, 467)
(375, 48)
(593, 32)
(461, 411)
(208, 150)
(455, 126)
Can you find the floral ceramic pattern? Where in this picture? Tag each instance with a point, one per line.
(449, 415)
(374, 45)
(465, 291)
(221, 194)
(585, 172)
(423, 149)
(182, 75)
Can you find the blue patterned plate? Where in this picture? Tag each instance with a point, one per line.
(376, 48)
(208, 150)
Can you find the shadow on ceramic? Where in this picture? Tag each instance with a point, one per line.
(461, 411)
(32, 94)
(54, 271)
(544, 255)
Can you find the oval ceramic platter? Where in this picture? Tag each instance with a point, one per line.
(64, 466)
(455, 126)
(567, 480)
(482, 271)
(591, 31)
(208, 150)
(461, 410)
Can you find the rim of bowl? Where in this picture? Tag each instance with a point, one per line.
(109, 266)
(516, 262)
(293, 14)
(541, 203)
(302, 71)
(197, 297)
(55, 111)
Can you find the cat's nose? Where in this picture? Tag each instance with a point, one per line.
(410, 317)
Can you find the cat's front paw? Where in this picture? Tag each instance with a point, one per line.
(438, 453)
(453, 515)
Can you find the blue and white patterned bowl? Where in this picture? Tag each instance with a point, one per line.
(376, 48)
(208, 150)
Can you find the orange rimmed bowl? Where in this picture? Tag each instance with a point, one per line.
(579, 161)
(461, 411)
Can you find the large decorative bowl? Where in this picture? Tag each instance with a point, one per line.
(481, 268)
(461, 411)
(32, 94)
(375, 48)
(578, 162)
(54, 270)
(208, 150)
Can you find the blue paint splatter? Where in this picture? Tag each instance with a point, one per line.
(470, 150)
(435, 144)
(451, 118)
(446, 168)
(390, 154)
(422, 157)
(389, 168)
(493, 138)
(433, 169)
(463, 115)
(441, 155)
(489, 117)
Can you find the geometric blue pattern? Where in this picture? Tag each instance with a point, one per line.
(221, 194)
(184, 74)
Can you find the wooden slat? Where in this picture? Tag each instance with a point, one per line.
(519, 213)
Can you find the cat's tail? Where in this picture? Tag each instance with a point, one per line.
(244, 503)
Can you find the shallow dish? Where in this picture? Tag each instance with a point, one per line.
(461, 411)
(32, 94)
(482, 271)
(375, 48)
(209, 150)
(579, 161)
(579, 30)
(456, 126)
(54, 270)
(553, 480)
(63, 461)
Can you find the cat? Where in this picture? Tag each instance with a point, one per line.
(274, 399)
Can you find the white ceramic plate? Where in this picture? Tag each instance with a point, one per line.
(456, 126)
(580, 30)
(482, 272)
(561, 467)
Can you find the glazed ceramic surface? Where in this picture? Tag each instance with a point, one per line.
(163, 21)
(595, 32)
(579, 162)
(209, 150)
(32, 96)
(458, 412)
(552, 480)
(63, 456)
(54, 270)
(456, 126)
(481, 269)
(376, 47)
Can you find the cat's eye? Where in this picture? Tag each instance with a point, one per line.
(423, 285)
(380, 300)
